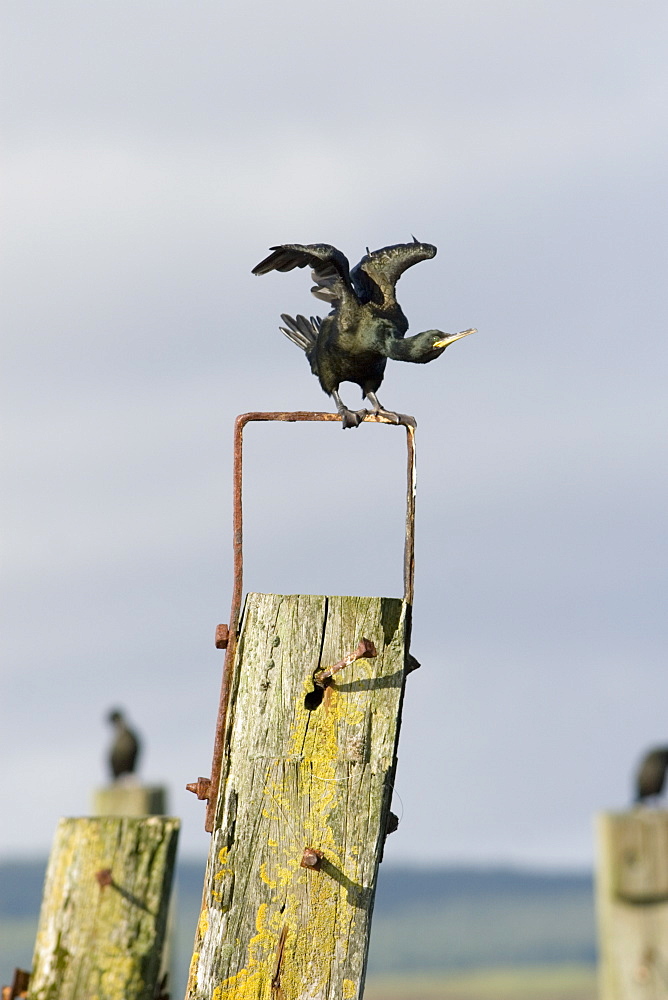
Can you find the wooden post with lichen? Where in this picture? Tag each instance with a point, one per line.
(632, 905)
(104, 909)
(303, 805)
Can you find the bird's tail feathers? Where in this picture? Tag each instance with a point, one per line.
(301, 331)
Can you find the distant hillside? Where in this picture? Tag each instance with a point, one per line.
(21, 888)
(446, 919)
(464, 918)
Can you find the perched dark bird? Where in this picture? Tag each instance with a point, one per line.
(125, 748)
(366, 325)
(651, 776)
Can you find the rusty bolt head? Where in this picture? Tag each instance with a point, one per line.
(222, 636)
(311, 858)
(104, 877)
(201, 788)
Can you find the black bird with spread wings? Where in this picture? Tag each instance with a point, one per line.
(366, 325)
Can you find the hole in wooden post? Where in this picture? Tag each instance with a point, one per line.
(314, 698)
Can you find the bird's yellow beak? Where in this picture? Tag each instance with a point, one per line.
(452, 337)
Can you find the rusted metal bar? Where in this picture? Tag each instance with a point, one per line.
(19, 987)
(295, 416)
(409, 543)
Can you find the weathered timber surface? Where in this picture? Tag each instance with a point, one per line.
(294, 778)
(98, 941)
(128, 799)
(632, 904)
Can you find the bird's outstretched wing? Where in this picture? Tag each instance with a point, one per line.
(381, 269)
(329, 268)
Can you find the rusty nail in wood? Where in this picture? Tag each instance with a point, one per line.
(222, 636)
(311, 858)
(104, 877)
(201, 788)
(365, 650)
(276, 990)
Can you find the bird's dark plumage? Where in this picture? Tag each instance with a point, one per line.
(651, 776)
(366, 325)
(125, 747)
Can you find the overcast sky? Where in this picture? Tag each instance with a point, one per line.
(152, 152)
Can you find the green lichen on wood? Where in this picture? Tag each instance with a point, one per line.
(104, 942)
(295, 777)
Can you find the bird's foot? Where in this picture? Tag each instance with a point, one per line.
(395, 418)
(352, 418)
(389, 415)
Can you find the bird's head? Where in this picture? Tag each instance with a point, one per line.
(115, 717)
(431, 344)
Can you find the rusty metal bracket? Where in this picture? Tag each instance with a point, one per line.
(237, 542)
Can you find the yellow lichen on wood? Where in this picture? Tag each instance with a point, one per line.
(297, 775)
(192, 972)
(250, 982)
(104, 910)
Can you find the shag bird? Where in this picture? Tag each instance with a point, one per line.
(651, 776)
(366, 325)
(125, 747)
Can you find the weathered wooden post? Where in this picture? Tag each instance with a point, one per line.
(104, 909)
(130, 799)
(632, 904)
(301, 783)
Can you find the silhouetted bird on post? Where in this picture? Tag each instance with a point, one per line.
(651, 776)
(125, 748)
(366, 325)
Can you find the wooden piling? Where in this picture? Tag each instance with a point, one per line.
(130, 799)
(632, 905)
(104, 909)
(303, 803)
